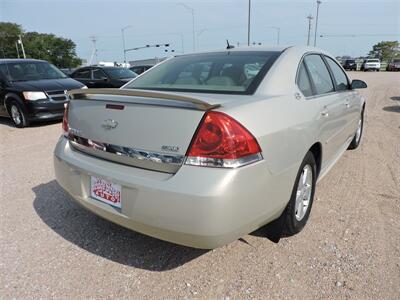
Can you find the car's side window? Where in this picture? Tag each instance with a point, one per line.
(342, 84)
(84, 74)
(319, 74)
(99, 74)
(303, 81)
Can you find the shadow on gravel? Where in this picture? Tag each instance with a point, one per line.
(7, 121)
(104, 238)
(394, 108)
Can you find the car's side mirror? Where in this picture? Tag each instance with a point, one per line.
(358, 84)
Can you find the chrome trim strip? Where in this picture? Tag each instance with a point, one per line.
(162, 162)
(223, 163)
(156, 98)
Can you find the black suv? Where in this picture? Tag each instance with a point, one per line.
(103, 77)
(350, 64)
(32, 90)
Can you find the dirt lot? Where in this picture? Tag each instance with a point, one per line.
(51, 248)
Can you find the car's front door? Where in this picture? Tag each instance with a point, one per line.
(100, 79)
(331, 121)
(351, 106)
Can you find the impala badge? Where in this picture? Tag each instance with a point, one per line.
(109, 124)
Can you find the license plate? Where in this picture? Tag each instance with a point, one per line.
(105, 191)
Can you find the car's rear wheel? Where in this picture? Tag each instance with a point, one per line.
(299, 207)
(357, 136)
(17, 115)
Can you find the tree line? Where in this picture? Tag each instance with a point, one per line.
(57, 50)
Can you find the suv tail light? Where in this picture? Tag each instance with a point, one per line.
(65, 125)
(221, 141)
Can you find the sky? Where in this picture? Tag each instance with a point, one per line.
(347, 27)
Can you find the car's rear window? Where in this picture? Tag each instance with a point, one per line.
(372, 60)
(220, 72)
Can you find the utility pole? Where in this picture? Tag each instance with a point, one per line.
(316, 23)
(94, 51)
(310, 17)
(22, 46)
(248, 24)
(193, 24)
(123, 40)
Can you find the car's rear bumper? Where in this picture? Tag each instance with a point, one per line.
(198, 207)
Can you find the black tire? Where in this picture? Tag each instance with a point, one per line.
(357, 139)
(20, 122)
(291, 224)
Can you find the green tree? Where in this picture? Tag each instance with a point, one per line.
(385, 50)
(59, 51)
(9, 33)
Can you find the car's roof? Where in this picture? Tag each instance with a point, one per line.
(138, 66)
(277, 48)
(16, 60)
(101, 67)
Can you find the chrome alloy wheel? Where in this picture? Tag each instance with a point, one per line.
(303, 194)
(359, 129)
(16, 115)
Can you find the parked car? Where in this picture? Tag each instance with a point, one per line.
(139, 69)
(67, 71)
(200, 152)
(350, 65)
(371, 64)
(393, 65)
(32, 90)
(103, 77)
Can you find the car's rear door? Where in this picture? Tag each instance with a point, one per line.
(332, 121)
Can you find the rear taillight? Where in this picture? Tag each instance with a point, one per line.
(221, 141)
(65, 125)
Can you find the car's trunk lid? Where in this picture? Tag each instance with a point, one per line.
(145, 129)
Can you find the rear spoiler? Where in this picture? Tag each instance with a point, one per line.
(155, 98)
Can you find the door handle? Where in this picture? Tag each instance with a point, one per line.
(325, 112)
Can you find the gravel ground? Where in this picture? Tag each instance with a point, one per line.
(350, 248)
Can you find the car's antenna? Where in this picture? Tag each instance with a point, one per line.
(229, 46)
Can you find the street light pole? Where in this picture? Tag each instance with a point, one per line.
(316, 23)
(193, 25)
(248, 24)
(278, 32)
(310, 17)
(123, 40)
(22, 46)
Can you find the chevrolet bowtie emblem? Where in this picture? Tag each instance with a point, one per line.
(109, 124)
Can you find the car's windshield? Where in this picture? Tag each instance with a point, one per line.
(221, 72)
(31, 70)
(119, 73)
